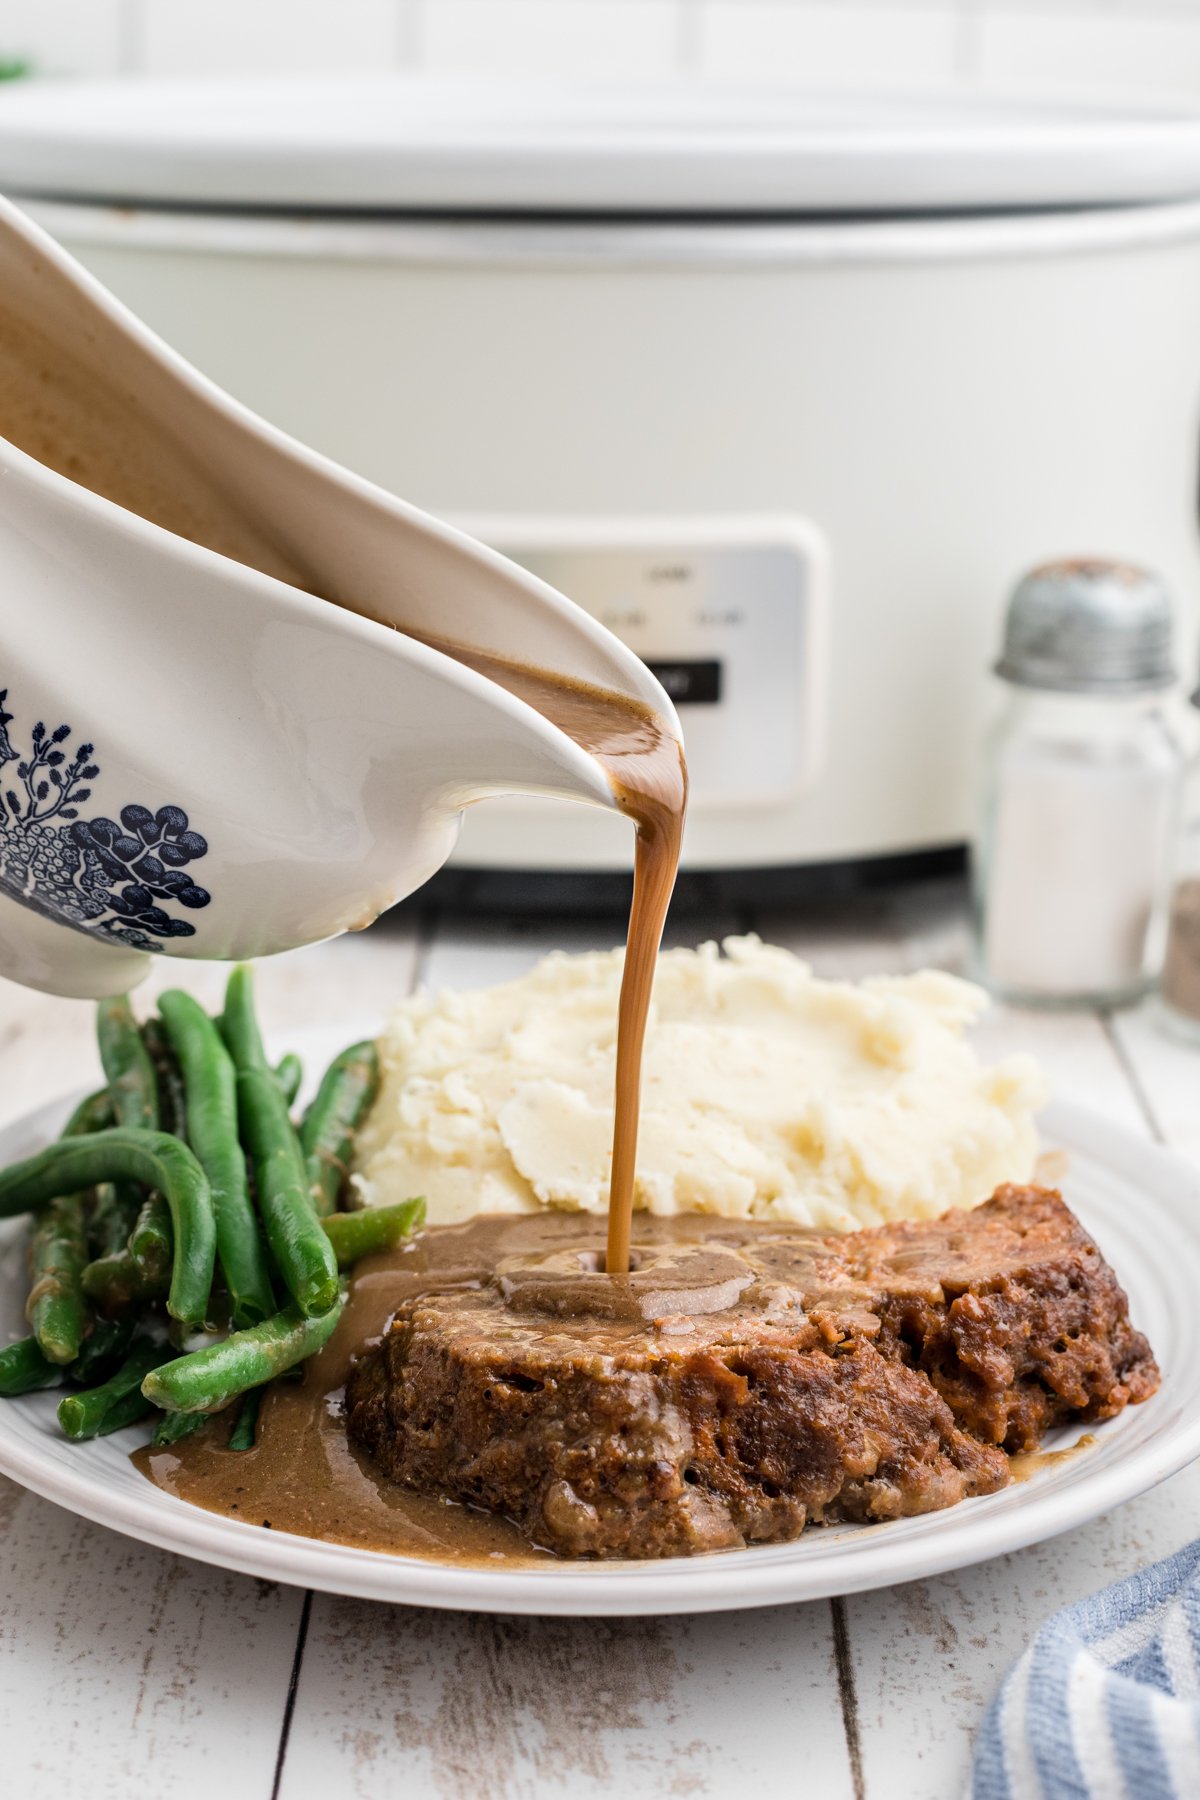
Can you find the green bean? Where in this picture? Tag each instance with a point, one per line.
(101, 1352)
(173, 1426)
(301, 1250)
(132, 1082)
(374, 1228)
(82, 1415)
(172, 1115)
(289, 1073)
(133, 1085)
(210, 1088)
(58, 1251)
(245, 1428)
(209, 1379)
(115, 1283)
(93, 1114)
(57, 1254)
(124, 1412)
(147, 1156)
(220, 1316)
(152, 1242)
(23, 1368)
(345, 1096)
(115, 1206)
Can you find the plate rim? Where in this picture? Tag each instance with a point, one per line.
(674, 1585)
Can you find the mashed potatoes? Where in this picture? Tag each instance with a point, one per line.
(767, 1094)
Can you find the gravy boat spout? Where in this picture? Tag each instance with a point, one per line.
(220, 732)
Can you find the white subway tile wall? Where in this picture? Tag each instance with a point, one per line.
(253, 37)
(1155, 51)
(829, 45)
(1119, 47)
(552, 37)
(64, 37)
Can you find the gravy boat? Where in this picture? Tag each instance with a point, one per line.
(216, 740)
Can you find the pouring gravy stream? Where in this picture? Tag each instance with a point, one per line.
(644, 761)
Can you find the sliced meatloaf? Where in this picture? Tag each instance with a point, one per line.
(747, 1380)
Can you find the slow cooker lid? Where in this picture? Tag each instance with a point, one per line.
(415, 143)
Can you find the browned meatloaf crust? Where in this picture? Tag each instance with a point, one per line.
(863, 1377)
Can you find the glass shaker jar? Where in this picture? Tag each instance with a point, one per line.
(1179, 999)
(1081, 788)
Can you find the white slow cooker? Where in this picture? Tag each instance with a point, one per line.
(787, 390)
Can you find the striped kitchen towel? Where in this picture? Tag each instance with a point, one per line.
(1105, 1703)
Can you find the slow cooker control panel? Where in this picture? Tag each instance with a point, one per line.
(730, 614)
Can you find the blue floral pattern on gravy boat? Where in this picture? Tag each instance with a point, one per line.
(114, 879)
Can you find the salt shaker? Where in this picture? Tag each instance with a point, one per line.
(1179, 1001)
(1081, 786)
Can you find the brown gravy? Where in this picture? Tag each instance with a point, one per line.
(303, 1475)
(644, 761)
(78, 420)
(1026, 1464)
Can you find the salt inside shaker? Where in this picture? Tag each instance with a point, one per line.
(1081, 787)
(1180, 997)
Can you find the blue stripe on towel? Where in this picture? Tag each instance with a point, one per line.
(1105, 1702)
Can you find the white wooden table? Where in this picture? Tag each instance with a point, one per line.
(129, 1671)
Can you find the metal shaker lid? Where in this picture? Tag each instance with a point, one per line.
(1088, 627)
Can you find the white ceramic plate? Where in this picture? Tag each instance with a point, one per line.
(1143, 1206)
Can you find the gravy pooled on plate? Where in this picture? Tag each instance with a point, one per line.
(744, 1380)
